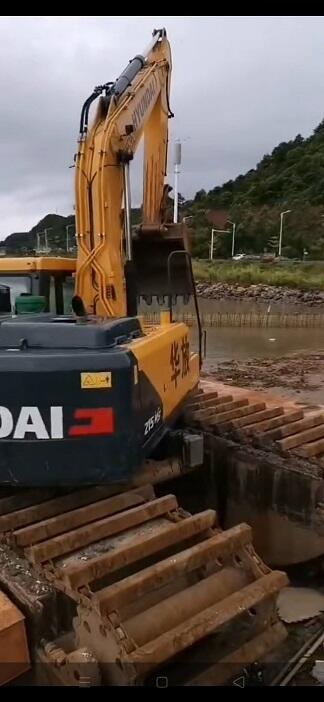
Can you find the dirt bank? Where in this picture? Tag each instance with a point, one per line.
(261, 293)
(299, 375)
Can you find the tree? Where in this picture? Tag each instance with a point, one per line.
(291, 177)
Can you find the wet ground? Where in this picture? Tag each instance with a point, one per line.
(298, 375)
(290, 361)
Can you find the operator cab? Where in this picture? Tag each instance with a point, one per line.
(31, 285)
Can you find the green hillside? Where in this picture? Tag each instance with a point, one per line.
(291, 177)
(26, 242)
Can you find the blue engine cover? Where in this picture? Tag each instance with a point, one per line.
(73, 407)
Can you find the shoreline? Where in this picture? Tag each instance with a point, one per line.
(260, 293)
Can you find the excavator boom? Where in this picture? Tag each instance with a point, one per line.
(116, 265)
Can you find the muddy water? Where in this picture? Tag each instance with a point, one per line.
(237, 343)
(226, 343)
(290, 361)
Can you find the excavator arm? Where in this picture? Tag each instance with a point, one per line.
(136, 105)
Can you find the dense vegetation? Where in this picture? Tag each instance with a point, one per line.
(291, 177)
(26, 242)
(309, 277)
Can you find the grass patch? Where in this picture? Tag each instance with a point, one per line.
(302, 277)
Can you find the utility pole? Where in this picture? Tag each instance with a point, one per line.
(46, 238)
(68, 226)
(213, 231)
(282, 214)
(233, 235)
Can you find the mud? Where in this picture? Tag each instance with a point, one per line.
(300, 376)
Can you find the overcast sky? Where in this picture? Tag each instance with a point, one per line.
(240, 85)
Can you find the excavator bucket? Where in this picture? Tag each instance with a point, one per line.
(161, 271)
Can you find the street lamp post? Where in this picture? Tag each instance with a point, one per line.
(282, 214)
(38, 242)
(211, 245)
(46, 238)
(185, 219)
(213, 231)
(68, 226)
(233, 235)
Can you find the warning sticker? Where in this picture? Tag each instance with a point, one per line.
(95, 381)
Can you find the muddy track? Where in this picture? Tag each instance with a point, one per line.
(281, 427)
(149, 584)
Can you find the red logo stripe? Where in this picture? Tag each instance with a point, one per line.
(100, 421)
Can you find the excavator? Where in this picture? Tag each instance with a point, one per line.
(105, 579)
